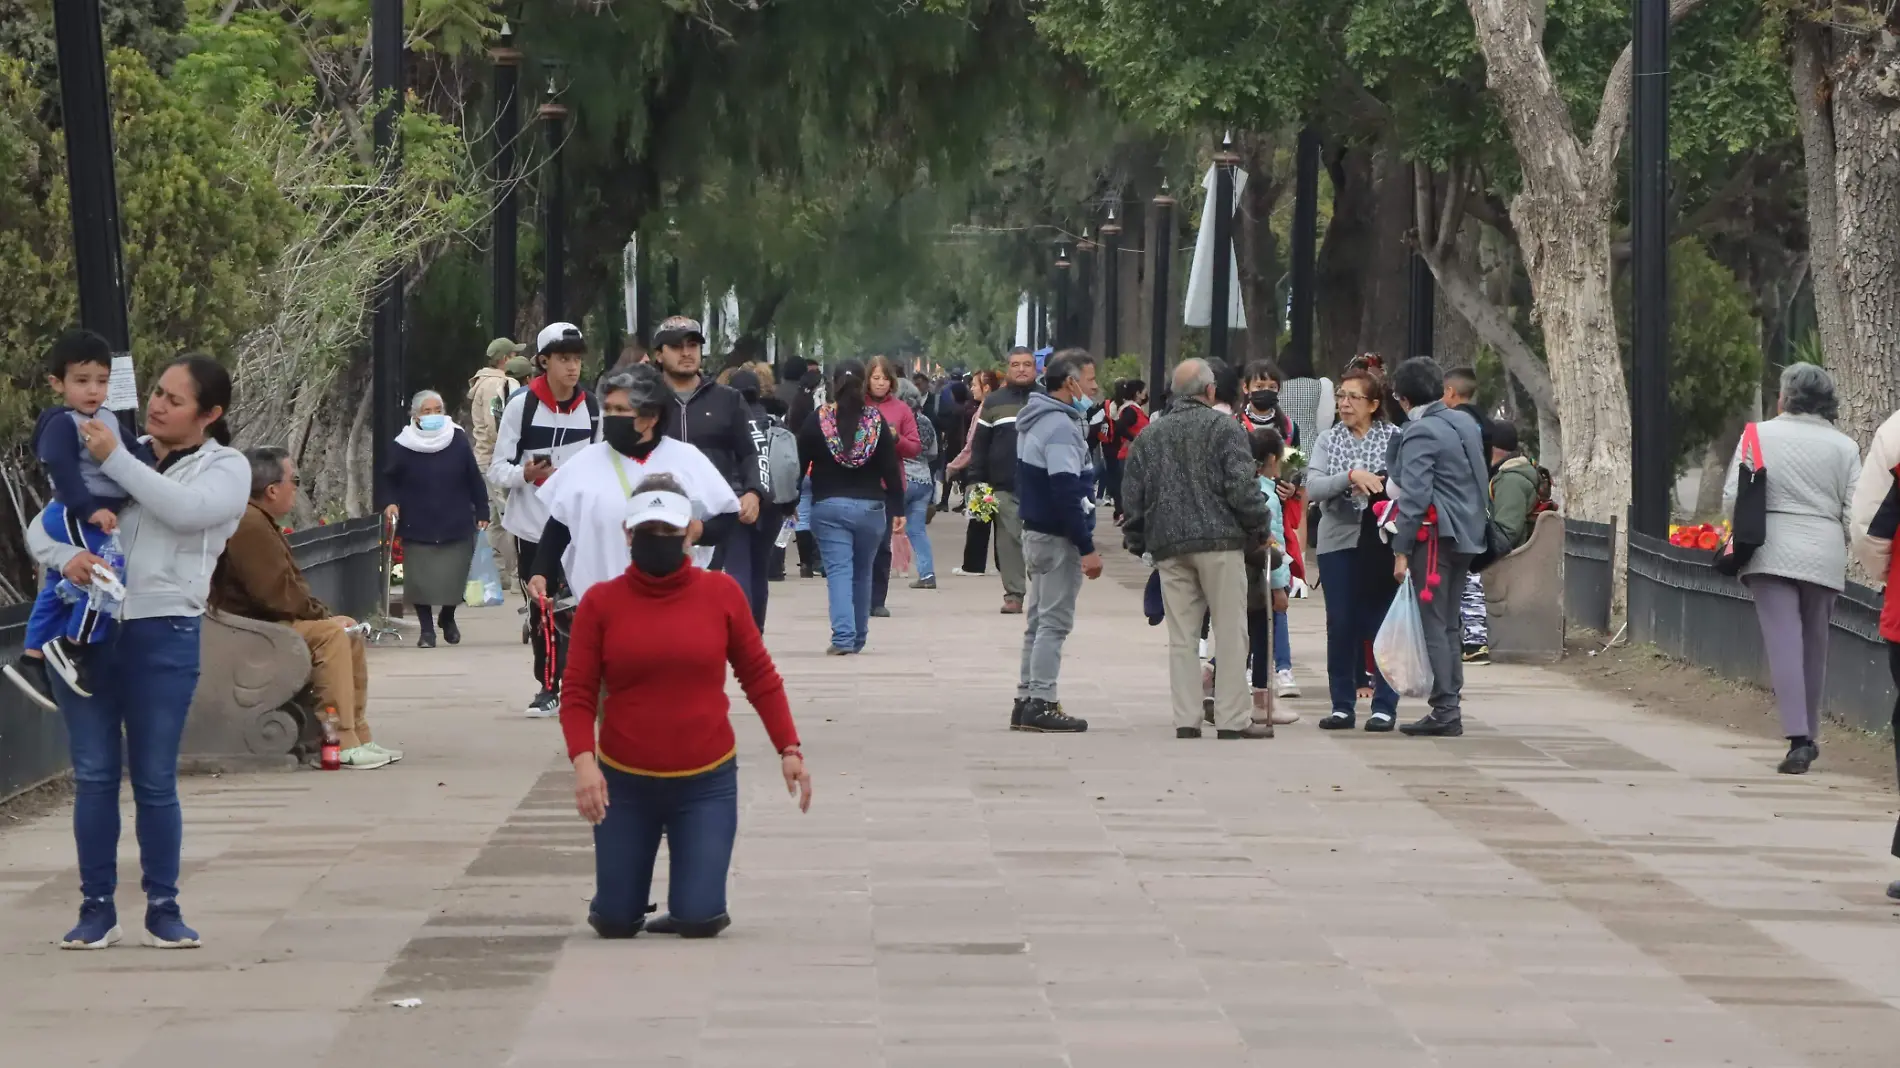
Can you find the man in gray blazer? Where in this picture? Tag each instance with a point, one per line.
(1443, 505)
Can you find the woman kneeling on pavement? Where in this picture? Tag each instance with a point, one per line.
(647, 663)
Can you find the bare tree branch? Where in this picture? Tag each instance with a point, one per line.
(1613, 114)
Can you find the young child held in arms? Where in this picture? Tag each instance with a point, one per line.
(84, 512)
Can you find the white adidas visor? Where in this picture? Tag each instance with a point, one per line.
(659, 506)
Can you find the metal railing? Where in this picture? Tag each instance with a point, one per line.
(1690, 611)
(343, 563)
(1589, 572)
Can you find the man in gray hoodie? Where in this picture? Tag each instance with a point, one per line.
(1443, 506)
(1053, 490)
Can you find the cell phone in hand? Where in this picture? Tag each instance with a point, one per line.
(542, 458)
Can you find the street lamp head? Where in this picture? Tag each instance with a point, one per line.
(1062, 256)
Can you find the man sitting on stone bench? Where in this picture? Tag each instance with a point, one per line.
(258, 578)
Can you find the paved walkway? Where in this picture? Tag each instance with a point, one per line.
(1573, 883)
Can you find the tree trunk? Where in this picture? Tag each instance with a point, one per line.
(1336, 271)
(1848, 136)
(1385, 270)
(1257, 249)
(1567, 250)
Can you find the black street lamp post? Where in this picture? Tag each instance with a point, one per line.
(554, 207)
(1649, 269)
(1223, 210)
(386, 355)
(1110, 256)
(1161, 252)
(86, 112)
(503, 267)
(1061, 335)
(1299, 355)
(1421, 297)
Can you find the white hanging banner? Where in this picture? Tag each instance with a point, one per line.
(1200, 287)
(122, 389)
(1022, 320)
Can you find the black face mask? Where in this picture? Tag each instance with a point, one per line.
(620, 433)
(658, 555)
(1264, 400)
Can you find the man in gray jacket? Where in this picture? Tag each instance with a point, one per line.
(1194, 504)
(1443, 506)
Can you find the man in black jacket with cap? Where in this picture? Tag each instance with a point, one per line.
(715, 420)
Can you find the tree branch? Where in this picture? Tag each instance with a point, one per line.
(1613, 114)
(1494, 328)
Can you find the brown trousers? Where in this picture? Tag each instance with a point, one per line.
(339, 674)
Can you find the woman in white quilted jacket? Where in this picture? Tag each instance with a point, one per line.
(1801, 567)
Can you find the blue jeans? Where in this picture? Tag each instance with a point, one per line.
(51, 616)
(698, 814)
(848, 531)
(142, 684)
(804, 505)
(917, 500)
(1282, 644)
(746, 555)
(1355, 607)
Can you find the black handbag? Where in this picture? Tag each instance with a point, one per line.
(1750, 527)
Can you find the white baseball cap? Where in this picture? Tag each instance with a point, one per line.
(555, 332)
(659, 506)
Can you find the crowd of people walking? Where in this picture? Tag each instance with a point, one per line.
(643, 521)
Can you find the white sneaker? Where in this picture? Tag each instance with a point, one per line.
(1283, 684)
(967, 574)
(363, 758)
(393, 754)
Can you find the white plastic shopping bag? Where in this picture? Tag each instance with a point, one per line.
(1400, 645)
(484, 578)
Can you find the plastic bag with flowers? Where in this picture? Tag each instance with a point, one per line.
(1293, 466)
(982, 503)
(1707, 536)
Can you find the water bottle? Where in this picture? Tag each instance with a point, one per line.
(331, 753)
(785, 533)
(113, 553)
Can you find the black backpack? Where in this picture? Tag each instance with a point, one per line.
(527, 420)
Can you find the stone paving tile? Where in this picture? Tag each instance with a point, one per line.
(1574, 884)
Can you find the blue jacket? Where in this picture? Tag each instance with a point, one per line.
(1053, 474)
(1440, 463)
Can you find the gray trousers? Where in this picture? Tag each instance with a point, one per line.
(1008, 537)
(1212, 585)
(1055, 578)
(1794, 616)
(1444, 629)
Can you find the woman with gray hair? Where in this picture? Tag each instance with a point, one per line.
(1801, 566)
(438, 497)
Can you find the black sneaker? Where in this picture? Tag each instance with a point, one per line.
(1338, 721)
(546, 705)
(1434, 726)
(1047, 717)
(1016, 713)
(1893, 890)
(68, 661)
(1381, 723)
(881, 612)
(606, 928)
(1477, 654)
(664, 923)
(29, 674)
(1187, 732)
(1799, 759)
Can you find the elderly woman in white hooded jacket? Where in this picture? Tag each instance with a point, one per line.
(439, 499)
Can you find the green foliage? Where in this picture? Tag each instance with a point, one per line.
(1116, 368)
(1715, 360)
(201, 221)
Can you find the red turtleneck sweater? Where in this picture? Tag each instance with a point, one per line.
(662, 645)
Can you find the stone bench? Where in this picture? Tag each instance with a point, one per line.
(1524, 597)
(251, 708)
